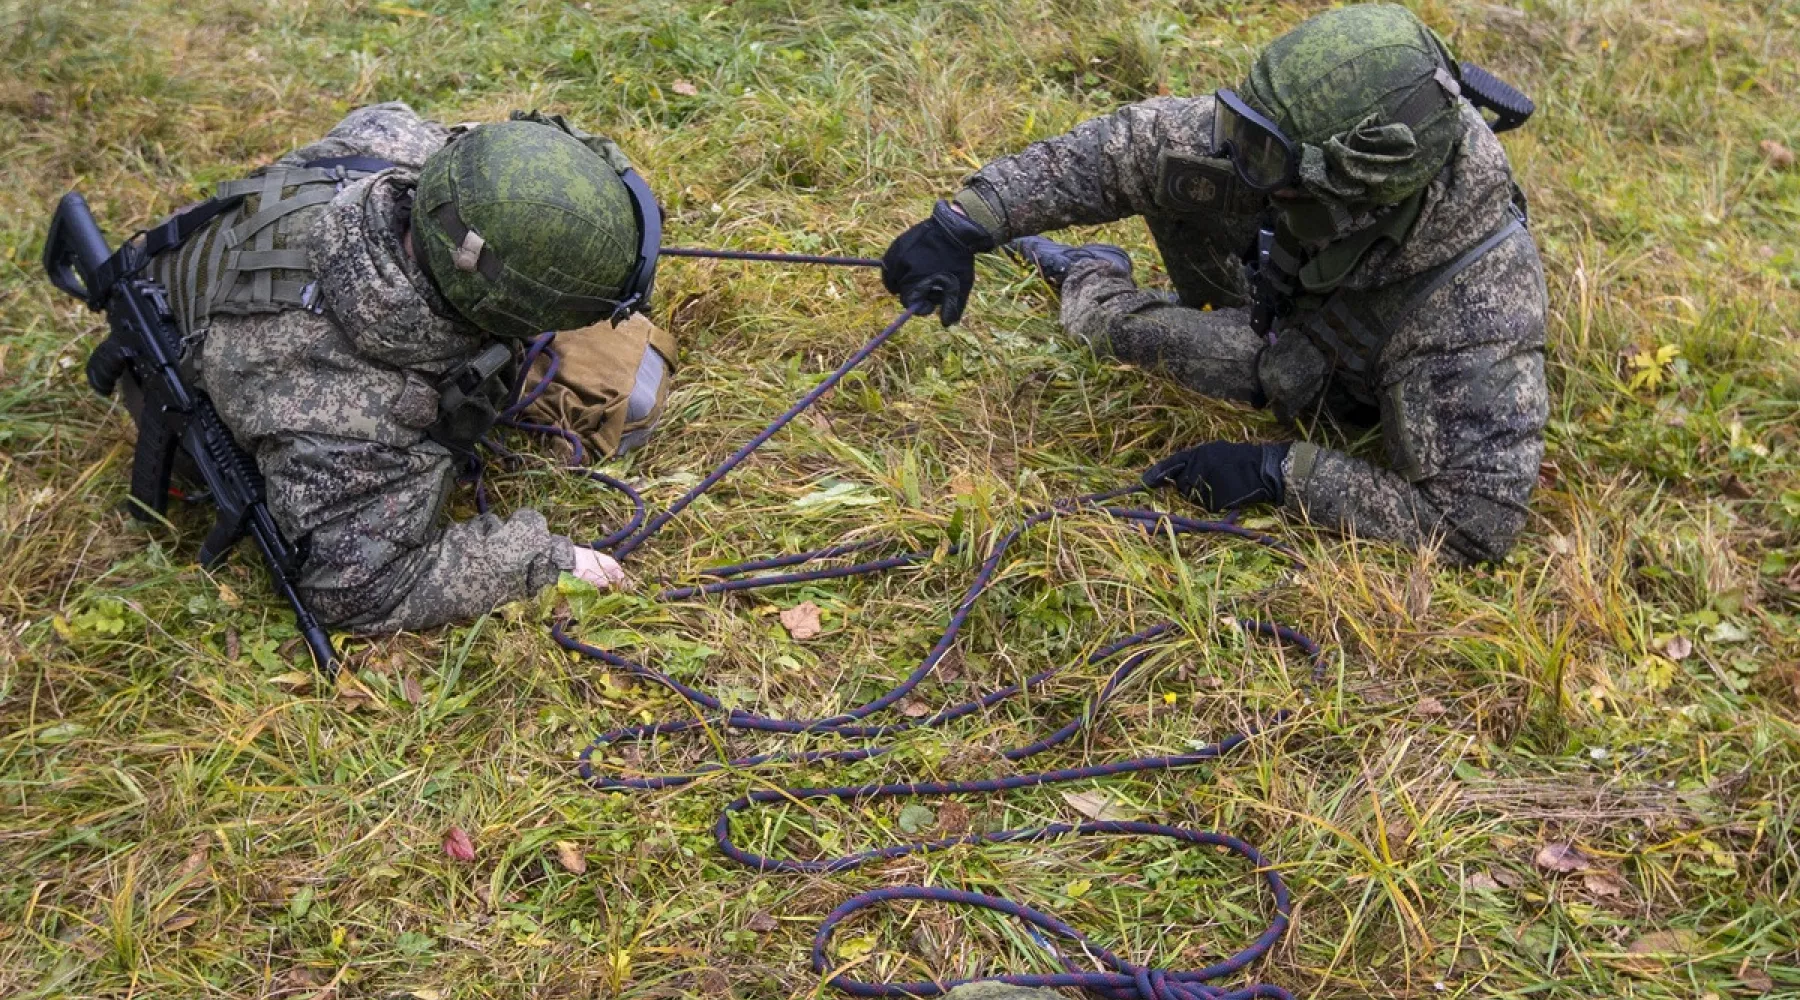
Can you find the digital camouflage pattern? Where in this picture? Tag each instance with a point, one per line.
(334, 404)
(1459, 383)
(548, 216)
(1338, 83)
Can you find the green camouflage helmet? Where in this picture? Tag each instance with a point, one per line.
(524, 228)
(1369, 95)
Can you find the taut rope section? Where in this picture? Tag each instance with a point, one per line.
(780, 258)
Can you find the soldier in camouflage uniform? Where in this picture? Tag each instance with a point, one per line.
(1344, 239)
(355, 317)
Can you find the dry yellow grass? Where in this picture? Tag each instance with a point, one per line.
(176, 819)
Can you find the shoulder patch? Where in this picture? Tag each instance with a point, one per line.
(1196, 184)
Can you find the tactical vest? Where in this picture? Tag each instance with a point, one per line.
(242, 252)
(1350, 327)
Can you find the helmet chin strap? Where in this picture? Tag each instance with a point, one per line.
(1287, 264)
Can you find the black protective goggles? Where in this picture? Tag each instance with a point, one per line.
(1265, 159)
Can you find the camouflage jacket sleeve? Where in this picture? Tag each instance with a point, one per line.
(1105, 169)
(1211, 351)
(1463, 406)
(392, 131)
(376, 560)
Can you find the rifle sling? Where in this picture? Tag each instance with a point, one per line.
(172, 232)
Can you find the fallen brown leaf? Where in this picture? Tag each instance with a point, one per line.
(1601, 885)
(353, 693)
(1509, 880)
(233, 645)
(1656, 951)
(1096, 805)
(569, 856)
(458, 845)
(1562, 858)
(801, 621)
(1779, 156)
(294, 680)
(300, 977)
(953, 819)
(196, 858)
(411, 691)
(1755, 980)
(1483, 881)
(761, 922)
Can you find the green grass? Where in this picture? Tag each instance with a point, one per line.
(176, 819)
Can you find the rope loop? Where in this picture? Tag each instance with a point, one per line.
(1120, 979)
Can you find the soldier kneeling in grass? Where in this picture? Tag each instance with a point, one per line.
(355, 312)
(1345, 240)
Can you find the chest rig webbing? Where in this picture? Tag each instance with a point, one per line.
(1349, 326)
(239, 253)
(1352, 327)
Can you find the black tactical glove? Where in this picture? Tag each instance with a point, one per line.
(1053, 260)
(933, 263)
(1221, 475)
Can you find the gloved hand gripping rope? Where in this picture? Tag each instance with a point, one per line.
(1120, 979)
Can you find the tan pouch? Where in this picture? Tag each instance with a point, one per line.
(611, 386)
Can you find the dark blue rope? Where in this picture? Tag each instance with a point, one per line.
(1123, 980)
(644, 534)
(781, 258)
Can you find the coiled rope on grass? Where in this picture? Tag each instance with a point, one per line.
(1118, 978)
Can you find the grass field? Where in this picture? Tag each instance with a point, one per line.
(183, 815)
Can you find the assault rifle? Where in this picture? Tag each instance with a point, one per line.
(175, 421)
